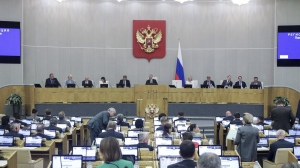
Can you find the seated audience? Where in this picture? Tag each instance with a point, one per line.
(209, 160)
(236, 119)
(52, 126)
(143, 141)
(228, 116)
(240, 82)
(189, 136)
(47, 114)
(111, 131)
(256, 82)
(5, 123)
(187, 151)
(280, 143)
(34, 116)
(40, 132)
(167, 130)
(86, 82)
(18, 120)
(291, 165)
(120, 121)
(194, 129)
(112, 159)
(163, 120)
(14, 130)
(260, 121)
(61, 119)
(139, 125)
(210, 83)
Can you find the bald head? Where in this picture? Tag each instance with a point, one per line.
(228, 113)
(15, 127)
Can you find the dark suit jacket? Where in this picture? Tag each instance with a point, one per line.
(154, 82)
(55, 82)
(22, 123)
(111, 133)
(281, 143)
(227, 83)
(46, 117)
(52, 127)
(123, 124)
(283, 118)
(261, 123)
(34, 118)
(89, 83)
(258, 83)
(237, 122)
(228, 118)
(161, 128)
(143, 145)
(15, 134)
(211, 82)
(184, 163)
(42, 136)
(238, 84)
(6, 127)
(127, 83)
(64, 122)
(99, 122)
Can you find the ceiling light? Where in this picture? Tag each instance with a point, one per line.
(59, 1)
(119, 0)
(182, 1)
(240, 2)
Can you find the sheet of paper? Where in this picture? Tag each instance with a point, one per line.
(3, 163)
(231, 134)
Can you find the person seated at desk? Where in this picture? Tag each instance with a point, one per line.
(151, 81)
(143, 141)
(34, 116)
(209, 160)
(61, 119)
(5, 123)
(52, 126)
(47, 114)
(161, 115)
(139, 125)
(69, 80)
(228, 116)
(103, 81)
(280, 143)
(167, 129)
(125, 82)
(227, 82)
(110, 132)
(52, 82)
(260, 121)
(40, 132)
(256, 82)
(190, 82)
(87, 83)
(180, 116)
(194, 129)
(189, 136)
(18, 120)
(163, 120)
(210, 83)
(187, 151)
(120, 121)
(236, 119)
(14, 130)
(240, 82)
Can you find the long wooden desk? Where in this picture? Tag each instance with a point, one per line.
(44, 152)
(11, 157)
(62, 144)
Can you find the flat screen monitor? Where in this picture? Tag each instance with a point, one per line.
(24, 132)
(216, 149)
(197, 139)
(188, 86)
(172, 86)
(37, 85)
(88, 153)
(290, 139)
(66, 161)
(168, 151)
(120, 85)
(98, 142)
(133, 133)
(33, 126)
(71, 85)
(225, 122)
(103, 85)
(236, 87)
(234, 126)
(220, 86)
(163, 141)
(130, 150)
(62, 126)
(230, 161)
(181, 127)
(33, 141)
(6, 140)
(156, 122)
(270, 133)
(177, 122)
(174, 118)
(131, 141)
(254, 87)
(27, 121)
(164, 162)
(158, 133)
(297, 126)
(142, 118)
(50, 133)
(259, 127)
(155, 119)
(77, 119)
(297, 151)
(46, 123)
(263, 142)
(288, 42)
(2, 131)
(204, 86)
(219, 119)
(294, 132)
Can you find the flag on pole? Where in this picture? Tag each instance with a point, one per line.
(179, 67)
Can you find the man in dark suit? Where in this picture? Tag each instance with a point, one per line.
(187, 151)
(110, 132)
(210, 83)
(227, 82)
(40, 132)
(52, 126)
(18, 120)
(86, 82)
(280, 143)
(62, 120)
(163, 120)
(120, 121)
(125, 82)
(52, 82)
(151, 81)
(237, 120)
(14, 131)
(99, 122)
(260, 121)
(256, 82)
(228, 116)
(240, 82)
(47, 114)
(282, 117)
(143, 141)
(34, 116)
(180, 116)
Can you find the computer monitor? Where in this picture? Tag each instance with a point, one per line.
(155, 119)
(33, 126)
(168, 151)
(52, 85)
(234, 126)
(216, 149)
(172, 86)
(197, 139)
(290, 139)
(120, 85)
(174, 119)
(163, 141)
(103, 85)
(62, 126)
(142, 118)
(98, 142)
(50, 133)
(188, 86)
(46, 123)
(2, 131)
(27, 121)
(236, 87)
(220, 87)
(133, 133)
(164, 162)
(181, 122)
(6, 140)
(269, 122)
(259, 127)
(225, 123)
(181, 127)
(156, 122)
(63, 161)
(204, 86)
(33, 141)
(297, 126)
(294, 132)
(71, 85)
(77, 119)
(158, 133)
(88, 152)
(263, 142)
(297, 151)
(130, 150)
(270, 133)
(254, 87)
(131, 141)
(24, 132)
(219, 119)
(230, 161)
(37, 85)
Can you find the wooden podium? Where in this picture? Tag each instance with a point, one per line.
(151, 94)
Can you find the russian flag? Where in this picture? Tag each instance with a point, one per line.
(179, 67)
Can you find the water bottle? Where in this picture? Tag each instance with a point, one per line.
(256, 165)
(89, 165)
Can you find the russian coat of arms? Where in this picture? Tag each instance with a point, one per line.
(151, 110)
(148, 38)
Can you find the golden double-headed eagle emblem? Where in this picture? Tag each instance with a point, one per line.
(151, 110)
(148, 38)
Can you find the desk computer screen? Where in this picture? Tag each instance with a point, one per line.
(133, 133)
(270, 133)
(25, 132)
(294, 132)
(216, 149)
(290, 139)
(131, 141)
(130, 150)
(6, 140)
(181, 127)
(219, 119)
(2, 131)
(77, 119)
(163, 141)
(74, 161)
(62, 126)
(33, 141)
(88, 153)
(50, 133)
(181, 122)
(297, 151)
(263, 142)
(230, 161)
(164, 162)
(168, 151)
(33, 126)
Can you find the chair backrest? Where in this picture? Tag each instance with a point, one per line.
(282, 155)
(144, 164)
(177, 83)
(145, 154)
(262, 85)
(155, 78)
(124, 128)
(195, 84)
(221, 81)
